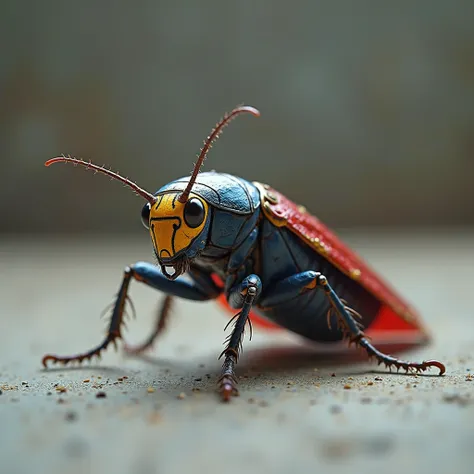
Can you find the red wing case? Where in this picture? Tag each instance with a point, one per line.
(396, 320)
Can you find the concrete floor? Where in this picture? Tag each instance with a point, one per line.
(293, 414)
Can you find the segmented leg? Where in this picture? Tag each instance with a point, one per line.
(150, 275)
(356, 335)
(244, 295)
(160, 326)
(114, 332)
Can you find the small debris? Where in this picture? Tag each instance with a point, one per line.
(333, 374)
(378, 379)
(70, 416)
(154, 418)
(100, 395)
(86, 380)
(370, 383)
(24, 383)
(457, 398)
(49, 393)
(198, 379)
(347, 386)
(1, 392)
(61, 389)
(150, 390)
(61, 401)
(181, 396)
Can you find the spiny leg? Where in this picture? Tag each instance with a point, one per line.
(113, 334)
(243, 295)
(151, 276)
(357, 336)
(160, 326)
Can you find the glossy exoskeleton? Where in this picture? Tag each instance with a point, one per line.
(265, 254)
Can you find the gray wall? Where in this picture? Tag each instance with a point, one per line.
(367, 108)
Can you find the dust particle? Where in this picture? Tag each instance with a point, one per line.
(150, 390)
(70, 416)
(100, 395)
(457, 398)
(154, 418)
(181, 396)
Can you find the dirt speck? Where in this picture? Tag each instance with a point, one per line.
(181, 396)
(347, 386)
(70, 416)
(150, 390)
(100, 395)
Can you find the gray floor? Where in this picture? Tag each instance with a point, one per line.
(293, 414)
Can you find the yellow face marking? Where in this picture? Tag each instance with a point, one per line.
(168, 228)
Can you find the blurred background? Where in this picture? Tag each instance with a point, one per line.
(367, 109)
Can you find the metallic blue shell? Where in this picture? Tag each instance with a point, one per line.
(221, 190)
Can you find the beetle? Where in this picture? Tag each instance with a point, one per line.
(219, 236)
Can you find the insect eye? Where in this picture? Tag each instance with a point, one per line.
(194, 213)
(146, 215)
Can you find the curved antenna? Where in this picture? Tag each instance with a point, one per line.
(100, 169)
(208, 144)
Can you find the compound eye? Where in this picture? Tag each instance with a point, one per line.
(146, 215)
(194, 213)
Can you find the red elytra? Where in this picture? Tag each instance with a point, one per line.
(396, 320)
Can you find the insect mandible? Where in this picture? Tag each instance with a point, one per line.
(247, 244)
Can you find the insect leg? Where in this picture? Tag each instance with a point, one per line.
(244, 296)
(203, 280)
(151, 276)
(160, 326)
(357, 336)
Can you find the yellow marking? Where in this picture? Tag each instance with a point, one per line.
(170, 213)
(355, 273)
(302, 209)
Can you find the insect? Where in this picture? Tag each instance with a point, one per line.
(218, 236)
